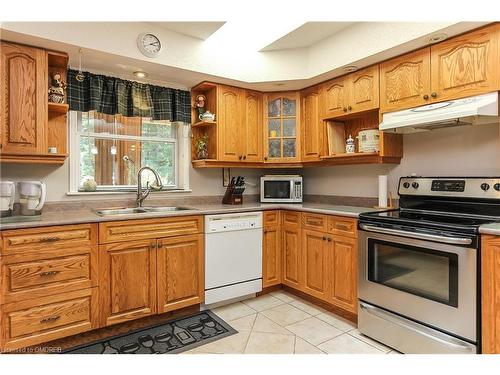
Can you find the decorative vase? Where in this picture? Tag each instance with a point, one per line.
(350, 147)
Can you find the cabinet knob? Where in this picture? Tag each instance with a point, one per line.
(244, 157)
(426, 97)
(349, 108)
(265, 158)
(240, 157)
(434, 95)
(324, 238)
(344, 109)
(329, 239)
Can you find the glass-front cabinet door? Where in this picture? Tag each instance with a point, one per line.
(281, 138)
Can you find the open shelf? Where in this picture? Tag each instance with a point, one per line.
(203, 123)
(58, 108)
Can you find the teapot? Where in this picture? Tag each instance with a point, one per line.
(207, 116)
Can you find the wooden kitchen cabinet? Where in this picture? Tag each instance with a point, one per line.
(229, 122)
(251, 135)
(342, 271)
(24, 99)
(180, 272)
(466, 65)
(405, 81)
(490, 295)
(282, 127)
(335, 97)
(292, 244)
(311, 124)
(272, 255)
(127, 281)
(315, 263)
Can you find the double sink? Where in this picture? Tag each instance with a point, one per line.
(139, 210)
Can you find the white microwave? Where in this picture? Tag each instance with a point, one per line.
(281, 189)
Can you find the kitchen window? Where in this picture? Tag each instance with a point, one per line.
(110, 149)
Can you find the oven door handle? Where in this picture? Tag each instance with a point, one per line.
(420, 236)
(421, 330)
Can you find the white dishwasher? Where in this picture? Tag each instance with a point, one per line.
(233, 256)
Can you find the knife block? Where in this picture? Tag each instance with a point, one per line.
(231, 197)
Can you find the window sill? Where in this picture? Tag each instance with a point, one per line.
(93, 193)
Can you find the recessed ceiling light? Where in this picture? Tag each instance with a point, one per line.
(140, 74)
(438, 38)
(350, 68)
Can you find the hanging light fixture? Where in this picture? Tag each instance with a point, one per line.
(80, 76)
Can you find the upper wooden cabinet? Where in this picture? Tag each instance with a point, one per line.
(353, 93)
(281, 124)
(311, 124)
(405, 81)
(466, 65)
(229, 123)
(29, 124)
(251, 135)
(24, 99)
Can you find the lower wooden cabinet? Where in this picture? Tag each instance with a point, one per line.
(180, 272)
(315, 263)
(292, 244)
(490, 296)
(35, 321)
(342, 271)
(127, 276)
(271, 246)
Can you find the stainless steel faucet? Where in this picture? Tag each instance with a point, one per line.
(141, 195)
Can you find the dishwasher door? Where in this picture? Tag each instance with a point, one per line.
(233, 256)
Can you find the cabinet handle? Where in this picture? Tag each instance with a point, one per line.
(244, 157)
(349, 108)
(434, 95)
(50, 319)
(48, 273)
(426, 97)
(265, 231)
(160, 245)
(50, 239)
(344, 109)
(329, 239)
(324, 238)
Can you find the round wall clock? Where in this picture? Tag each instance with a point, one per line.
(149, 44)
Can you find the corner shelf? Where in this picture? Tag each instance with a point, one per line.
(61, 108)
(203, 123)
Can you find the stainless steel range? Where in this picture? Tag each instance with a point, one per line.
(419, 265)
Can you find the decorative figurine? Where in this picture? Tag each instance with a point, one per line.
(202, 147)
(207, 116)
(350, 147)
(200, 104)
(56, 90)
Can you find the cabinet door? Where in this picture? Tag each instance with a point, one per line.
(312, 129)
(315, 267)
(343, 272)
(466, 65)
(127, 289)
(271, 257)
(229, 123)
(23, 96)
(181, 276)
(335, 95)
(292, 264)
(490, 298)
(364, 90)
(405, 81)
(251, 148)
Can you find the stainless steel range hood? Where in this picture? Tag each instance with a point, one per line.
(476, 110)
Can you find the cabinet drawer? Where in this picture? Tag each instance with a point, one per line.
(314, 221)
(271, 217)
(20, 241)
(291, 218)
(36, 278)
(119, 231)
(343, 226)
(36, 321)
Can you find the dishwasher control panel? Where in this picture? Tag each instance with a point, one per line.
(233, 222)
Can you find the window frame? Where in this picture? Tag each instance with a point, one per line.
(181, 152)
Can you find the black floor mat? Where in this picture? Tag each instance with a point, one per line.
(171, 337)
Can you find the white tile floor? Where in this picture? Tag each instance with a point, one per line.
(281, 323)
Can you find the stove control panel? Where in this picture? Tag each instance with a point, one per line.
(463, 187)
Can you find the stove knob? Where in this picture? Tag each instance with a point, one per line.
(406, 185)
(414, 185)
(496, 187)
(485, 186)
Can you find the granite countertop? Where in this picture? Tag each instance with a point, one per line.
(88, 216)
(493, 228)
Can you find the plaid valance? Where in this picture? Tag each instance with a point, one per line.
(112, 96)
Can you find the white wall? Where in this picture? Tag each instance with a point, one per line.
(467, 151)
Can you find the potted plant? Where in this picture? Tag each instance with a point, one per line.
(201, 145)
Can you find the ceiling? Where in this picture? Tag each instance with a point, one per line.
(200, 30)
(306, 35)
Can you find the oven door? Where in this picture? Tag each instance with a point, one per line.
(430, 282)
(276, 190)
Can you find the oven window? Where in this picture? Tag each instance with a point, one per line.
(277, 189)
(425, 273)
